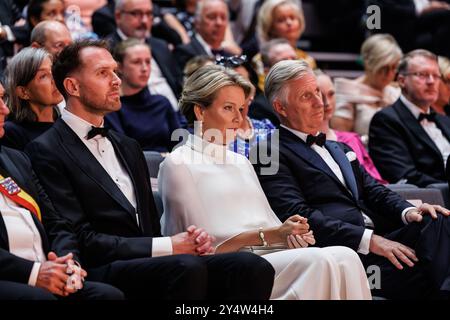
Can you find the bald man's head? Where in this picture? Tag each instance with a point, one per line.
(52, 36)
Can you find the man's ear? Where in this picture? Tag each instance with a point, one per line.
(279, 108)
(22, 93)
(401, 80)
(199, 111)
(72, 86)
(36, 45)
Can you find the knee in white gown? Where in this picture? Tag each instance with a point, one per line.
(318, 274)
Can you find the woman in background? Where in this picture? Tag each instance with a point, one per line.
(145, 117)
(358, 100)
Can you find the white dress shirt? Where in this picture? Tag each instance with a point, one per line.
(23, 236)
(430, 128)
(103, 150)
(332, 164)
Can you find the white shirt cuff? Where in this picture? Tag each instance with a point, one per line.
(404, 214)
(162, 246)
(34, 274)
(9, 35)
(364, 245)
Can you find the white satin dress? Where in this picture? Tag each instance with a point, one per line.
(206, 185)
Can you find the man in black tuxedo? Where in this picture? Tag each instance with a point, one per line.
(99, 182)
(323, 181)
(408, 140)
(31, 266)
(211, 22)
(134, 19)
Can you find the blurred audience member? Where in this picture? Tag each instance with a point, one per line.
(134, 19)
(147, 118)
(358, 100)
(52, 36)
(280, 19)
(272, 51)
(86, 9)
(409, 142)
(442, 104)
(211, 23)
(10, 13)
(32, 97)
(37, 11)
(351, 139)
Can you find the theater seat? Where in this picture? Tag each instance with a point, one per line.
(443, 188)
(429, 195)
(153, 159)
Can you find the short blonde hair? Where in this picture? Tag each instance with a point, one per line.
(265, 18)
(203, 85)
(380, 50)
(444, 66)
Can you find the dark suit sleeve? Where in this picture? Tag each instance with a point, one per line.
(391, 155)
(98, 248)
(286, 199)
(182, 55)
(14, 268)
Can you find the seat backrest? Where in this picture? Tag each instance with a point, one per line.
(443, 188)
(395, 187)
(153, 159)
(431, 196)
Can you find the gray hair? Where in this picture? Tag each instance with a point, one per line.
(118, 4)
(267, 47)
(380, 50)
(404, 62)
(203, 85)
(200, 5)
(265, 17)
(20, 72)
(275, 86)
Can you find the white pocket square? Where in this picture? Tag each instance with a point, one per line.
(351, 156)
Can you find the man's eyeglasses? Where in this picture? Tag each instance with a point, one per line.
(139, 14)
(231, 62)
(423, 75)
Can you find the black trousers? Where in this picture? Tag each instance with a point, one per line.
(430, 276)
(91, 291)
(185, 277)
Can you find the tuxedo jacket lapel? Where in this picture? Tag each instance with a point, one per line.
(305, 152)
(443, 123)
(414, 126)
(339, 156)
(89, 164)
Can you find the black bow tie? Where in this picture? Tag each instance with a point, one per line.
(429, 116)
(319, 139)
(97, 131)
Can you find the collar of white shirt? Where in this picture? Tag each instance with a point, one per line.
(415, 110)
(80, 126)
(299, 134)
(204, 44)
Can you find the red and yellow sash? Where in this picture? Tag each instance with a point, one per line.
(11, 190)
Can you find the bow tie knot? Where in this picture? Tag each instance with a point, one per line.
(97, 131)
(429, 116)
(319, 139)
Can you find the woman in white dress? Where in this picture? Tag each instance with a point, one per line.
(203, 183)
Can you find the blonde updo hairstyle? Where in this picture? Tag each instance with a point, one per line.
(202, 86)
